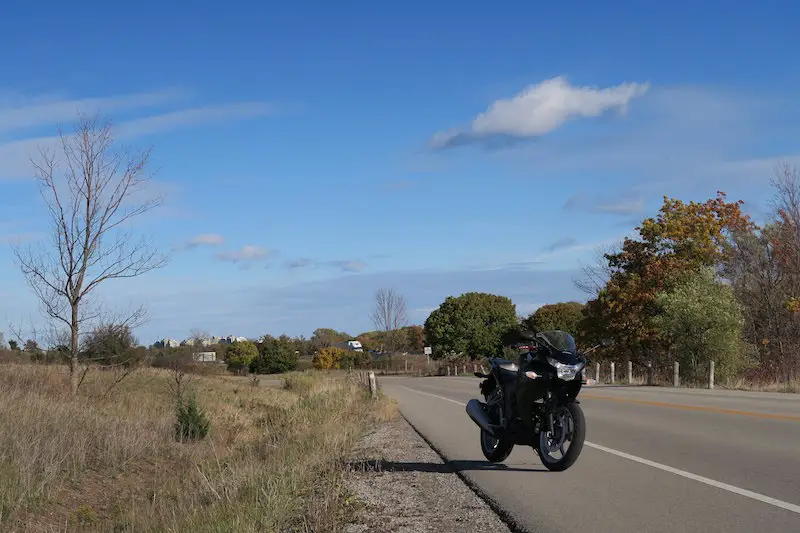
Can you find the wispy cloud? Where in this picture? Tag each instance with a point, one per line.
(538, 110)
(189, 117)
(346, 265)
(205, 239)
(24, 112)
(625, 205)
(300, 263)
(19, 238)
(246, 253)
(15, 154)
(560, 244)
(350, 265)
(621, 207)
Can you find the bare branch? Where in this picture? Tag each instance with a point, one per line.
(91, 192)
(389, 315)
(597, 273)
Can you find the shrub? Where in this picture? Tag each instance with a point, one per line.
(240, 355)
(329, 358)
(702, 320)
(275, 357)
(192, 423)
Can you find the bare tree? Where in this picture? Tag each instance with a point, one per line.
(199, 337)
(597, 273)
(389, 315)
(92, 191)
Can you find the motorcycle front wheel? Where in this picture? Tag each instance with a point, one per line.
(495, 450)
(560, 449)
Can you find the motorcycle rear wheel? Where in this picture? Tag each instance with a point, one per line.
(495, 450)
(571, 416)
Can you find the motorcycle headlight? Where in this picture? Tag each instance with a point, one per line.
(564, 371)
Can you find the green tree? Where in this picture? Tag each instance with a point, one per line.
(371, 340)
(33, 350)
(680, 240)
(415, 337)
(473, 324)
(111, 344)
(275, 356)
(564, 316)
(702, 321)
(240, 355)
(324, 337)
(13, 345)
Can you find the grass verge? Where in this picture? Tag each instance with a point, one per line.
(273, 460)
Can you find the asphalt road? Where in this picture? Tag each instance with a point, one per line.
(655, 459)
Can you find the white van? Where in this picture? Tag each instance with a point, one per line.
(354, 346)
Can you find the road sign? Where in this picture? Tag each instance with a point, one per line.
(428, 350)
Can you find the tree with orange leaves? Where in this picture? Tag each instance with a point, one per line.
(682, 239)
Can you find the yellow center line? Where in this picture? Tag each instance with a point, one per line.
(772, 416)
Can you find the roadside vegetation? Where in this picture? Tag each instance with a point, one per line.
(271, 459)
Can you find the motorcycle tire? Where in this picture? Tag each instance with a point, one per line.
(499, 452)
(575, 447)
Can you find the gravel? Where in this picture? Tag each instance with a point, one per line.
(404, 486)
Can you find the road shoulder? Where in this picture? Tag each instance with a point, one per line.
(405, 486)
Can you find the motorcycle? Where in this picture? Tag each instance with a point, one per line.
(534, 403)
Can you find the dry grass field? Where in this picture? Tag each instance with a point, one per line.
(274, 458)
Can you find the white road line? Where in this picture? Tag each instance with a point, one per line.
(700, 479)
(711, 482)
(435, 396)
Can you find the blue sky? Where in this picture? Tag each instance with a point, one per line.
(312, 153)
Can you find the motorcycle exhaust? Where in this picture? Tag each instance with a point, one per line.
(476, 411)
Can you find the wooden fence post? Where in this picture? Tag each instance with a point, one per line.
(630, 372)
(612, 372)
(597, 372)
(711, 375)
(676, 377)
(373, 385)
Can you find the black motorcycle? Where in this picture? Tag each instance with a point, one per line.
(534, 402)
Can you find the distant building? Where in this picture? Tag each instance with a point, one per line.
(198, 342)
(167, 343)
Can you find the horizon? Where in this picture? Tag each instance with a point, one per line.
(312, 157)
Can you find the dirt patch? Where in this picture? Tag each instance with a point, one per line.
(405, 487)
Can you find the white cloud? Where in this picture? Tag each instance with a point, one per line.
(540, 109)
(246, 253)
(206, 239)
